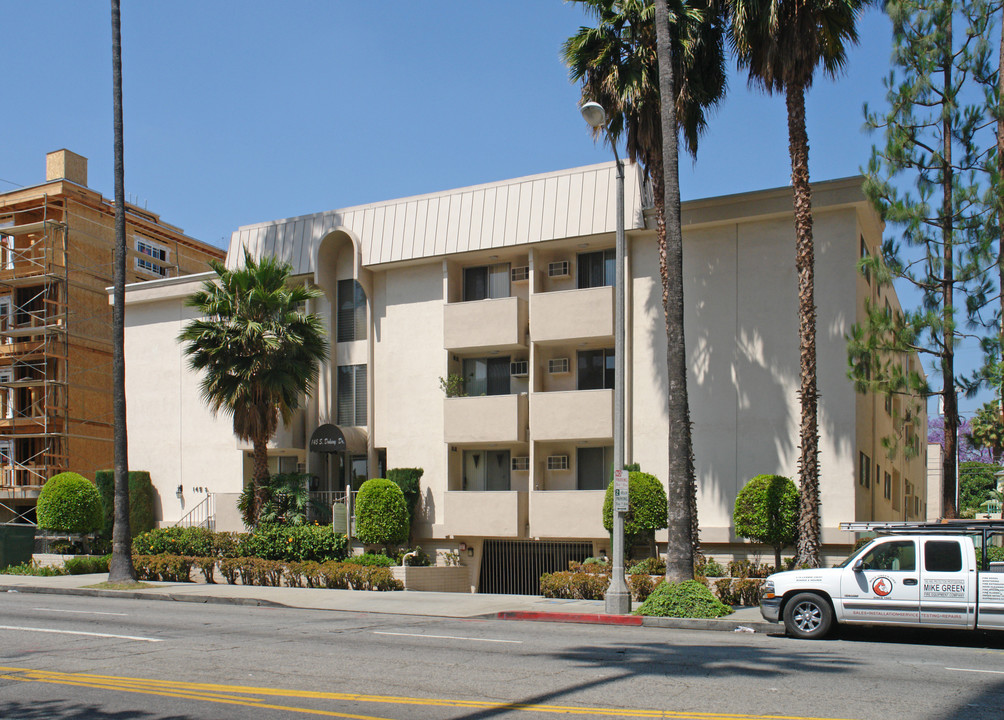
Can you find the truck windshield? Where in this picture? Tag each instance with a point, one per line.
(854, 554)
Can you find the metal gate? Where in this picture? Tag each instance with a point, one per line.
(514, 567)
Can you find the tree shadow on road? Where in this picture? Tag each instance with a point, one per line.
(659, 660)
(64, 710)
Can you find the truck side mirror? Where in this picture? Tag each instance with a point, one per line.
(858, 566)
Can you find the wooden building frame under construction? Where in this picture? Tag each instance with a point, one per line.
(56, 262)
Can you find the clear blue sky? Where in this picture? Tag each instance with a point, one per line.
(239, 112)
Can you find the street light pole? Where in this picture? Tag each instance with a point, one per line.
(618, 598)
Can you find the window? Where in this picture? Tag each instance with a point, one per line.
(351, 395)
(887, 489)
(486, 281)
(597, 269)
(596, 369)
(896, 556)
(942, 556)
(351, 318)
(152, 256)
(864, 470)
(6, 395)
(593, 467)
(486, 470)
(865, 255)
(557, 366)
(557, 462)
(520, 274)
(897, 490)
(486, 376)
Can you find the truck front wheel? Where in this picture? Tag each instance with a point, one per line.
(808, 616)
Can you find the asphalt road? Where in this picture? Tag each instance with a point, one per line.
(64, 657)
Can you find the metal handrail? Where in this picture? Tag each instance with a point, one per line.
(202, 515)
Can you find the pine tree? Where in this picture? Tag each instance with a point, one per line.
(935, 134)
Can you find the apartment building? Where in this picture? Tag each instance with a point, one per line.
(472, 336)
(56, 263)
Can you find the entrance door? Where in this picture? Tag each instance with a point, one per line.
(883, 586)
(947, 591)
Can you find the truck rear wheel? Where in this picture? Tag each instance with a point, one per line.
(808, 616)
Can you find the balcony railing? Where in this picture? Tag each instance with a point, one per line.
(486, 514)
(571, 315)
(487, 418)
(572, 415)
(567, 514)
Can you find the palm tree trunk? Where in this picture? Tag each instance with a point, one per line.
(120, 568)
(808, 463)
(259, 476)
(680, 549)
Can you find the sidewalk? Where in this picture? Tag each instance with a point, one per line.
(433, 604)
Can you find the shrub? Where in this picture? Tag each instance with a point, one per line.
(647, 509)
(87, 565)
(32, 568)
(744, 591)
(766, 511)
(642, 585)
(409, 480)
(419, 559)
(574, 585)
(381, 513)
(748, 569)
(166, 568)
(298, 543)
(688, 599)
(370, 560)
(649, 566)
(710, 568)
(589, 565)
(69, 503)
(141, 501)
(285, 500)
(189, 541)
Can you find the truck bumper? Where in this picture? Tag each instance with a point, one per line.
(770, 608)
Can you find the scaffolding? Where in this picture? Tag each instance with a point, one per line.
(38, 325)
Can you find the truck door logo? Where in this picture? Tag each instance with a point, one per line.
(882, 586)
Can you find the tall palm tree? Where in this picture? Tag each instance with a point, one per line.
(120, 569)
(617, 63)
(258, 350)
(781, 44)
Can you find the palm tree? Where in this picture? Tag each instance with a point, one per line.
(781, 44)
(120, 569)
(618, 65)
(258, 350)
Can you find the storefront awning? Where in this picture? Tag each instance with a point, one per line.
(330, 438)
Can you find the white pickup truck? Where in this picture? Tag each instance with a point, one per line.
(922, 575)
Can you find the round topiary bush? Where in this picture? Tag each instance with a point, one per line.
(381, 513)
(688, 599)
(69, 503)
(766, 511)
(647, 511)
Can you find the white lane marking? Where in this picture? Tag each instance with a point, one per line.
(78, 632)
(992, 672)
(80, 612)
(448, 637)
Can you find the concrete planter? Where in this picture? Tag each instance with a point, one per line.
(434, 578)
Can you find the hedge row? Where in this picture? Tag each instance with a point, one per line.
(301, 543)
(591, 585)
(267, 573)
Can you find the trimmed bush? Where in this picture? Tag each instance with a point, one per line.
(574, 585)
(69, 503)
(369, 560)
(381, 513)
(647, 509)
(87, 565)
(189, 541)
(141, 501)
(766, 511)
(409, 480)
(649, 566)
(641, 586)
(269, 542)
(688, 599)
(165, 568)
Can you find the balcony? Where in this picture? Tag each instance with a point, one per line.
(486, 514)
(572, 415)
(572, 315)
(567, 514)
(499, 324)
(485, 419)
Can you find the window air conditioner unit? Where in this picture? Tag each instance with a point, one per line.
(557, 365)
(520, 274)
(557, 269)
(557, 462)
(519, 368)
(521, 462)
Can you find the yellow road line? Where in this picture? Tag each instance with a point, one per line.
(236, 695)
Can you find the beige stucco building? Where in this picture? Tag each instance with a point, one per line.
(57, 243)
(509, 285)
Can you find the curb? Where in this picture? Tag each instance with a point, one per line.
(722, 625)
(585, 618)
(140, 595)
